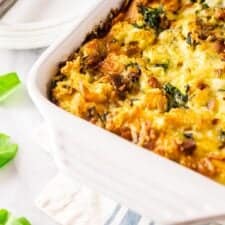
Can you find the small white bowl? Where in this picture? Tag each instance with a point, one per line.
(24, 27)
(31, 35)
(154, 186)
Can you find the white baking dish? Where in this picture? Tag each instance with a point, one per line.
(156, 187)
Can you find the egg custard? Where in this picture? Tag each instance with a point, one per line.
(154, 74)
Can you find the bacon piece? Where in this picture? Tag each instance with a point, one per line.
(111, 65)
(154, 83)
(220, 14)
(219, 47)
(188, 146)
(93, 53)
(126, 133)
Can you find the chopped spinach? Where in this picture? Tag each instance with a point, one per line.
(222, 136)
(190, 41)
(188, 135)
(132, 64)
(92, 113)
(103, 117)
(152, 16)
(205, 6)
(165, 66)
(139, 26)
(175, 97)
(222, 139)
(134, 72)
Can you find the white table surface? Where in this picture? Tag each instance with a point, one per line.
(23, 179)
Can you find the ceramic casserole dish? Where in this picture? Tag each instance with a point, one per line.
(153, 186)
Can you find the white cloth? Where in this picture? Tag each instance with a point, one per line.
(70, 203)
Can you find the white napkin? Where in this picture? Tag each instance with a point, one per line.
(70, 203)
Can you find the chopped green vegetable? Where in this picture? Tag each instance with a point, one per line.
(139, 26)
(23, 221)
(3, 216)
(7, 150)
(222, 139)
(190, 41)
(205, 6)
(203, 3)
(175, 97)
(6, 218)
(222, 136)
(8, 83)
(152, 16)
(132, 64)
(188, 135)
(165, 66)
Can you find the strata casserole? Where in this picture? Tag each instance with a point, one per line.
(154, 73)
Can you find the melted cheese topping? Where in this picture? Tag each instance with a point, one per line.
(157, 78)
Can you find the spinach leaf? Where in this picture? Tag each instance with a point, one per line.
(222, 139)
(6, 218)
(165, 66)
(152, 16)
(205, 6)
(190, 41)
(139, 26)
(175, 97)
(222, 136)
(7, 150)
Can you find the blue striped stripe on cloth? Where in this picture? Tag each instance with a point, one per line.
(123, 216)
